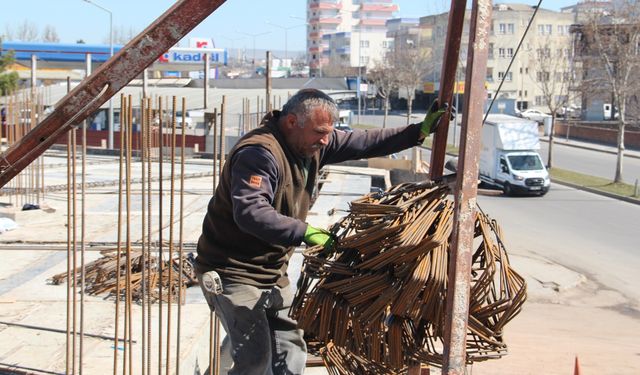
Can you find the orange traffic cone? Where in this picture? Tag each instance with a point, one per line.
(576, 367)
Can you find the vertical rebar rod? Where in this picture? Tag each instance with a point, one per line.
(143, 258)
(68, 339)
(149, 224)
(124, 136)
(181, 238)
(223, 108)
(74, 244)
(459, 273)
(127, 115)
(258, 105)
(212, 318)
(83, 168)
(160, 193)
(172, 164)
(215, 147)
(118, 252)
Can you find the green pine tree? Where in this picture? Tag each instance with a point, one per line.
(8, 81)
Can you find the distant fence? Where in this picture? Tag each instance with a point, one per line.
(598, 133)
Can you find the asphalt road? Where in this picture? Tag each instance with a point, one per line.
(587, 233)
(575, 159)
(589, 162)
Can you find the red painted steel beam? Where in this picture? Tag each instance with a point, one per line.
(110, 78)
(459, 273)
(447, 81)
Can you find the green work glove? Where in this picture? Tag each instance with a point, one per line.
(315, 236)
(432, 119)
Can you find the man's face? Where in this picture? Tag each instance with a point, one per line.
(313, 136)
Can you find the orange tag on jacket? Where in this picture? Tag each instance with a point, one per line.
(255, 181)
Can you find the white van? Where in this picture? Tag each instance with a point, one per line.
(509, 157)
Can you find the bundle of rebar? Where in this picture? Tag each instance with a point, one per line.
(375, 302)
(101, 276)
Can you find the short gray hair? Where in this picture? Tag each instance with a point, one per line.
(304, 101)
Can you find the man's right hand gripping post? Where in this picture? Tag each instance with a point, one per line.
(432, 119)
(315, 236)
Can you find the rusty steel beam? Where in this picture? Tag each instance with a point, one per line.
(459, 273)
(110, 78)
(447, 81)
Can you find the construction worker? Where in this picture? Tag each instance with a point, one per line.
(257, 217)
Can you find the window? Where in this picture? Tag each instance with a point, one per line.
(507, 78)
(490, 51)
(542, 77)
(539, 100)
(501, 53)
(489, 75)
(364, 43)
(506, 28)
(564, 29)
(543, 53)
(545, 29)
(509, 53)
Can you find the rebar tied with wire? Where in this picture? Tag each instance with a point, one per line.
(376, 302)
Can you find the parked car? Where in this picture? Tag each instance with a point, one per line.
(534, 114)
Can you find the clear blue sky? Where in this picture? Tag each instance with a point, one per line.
(228, 26)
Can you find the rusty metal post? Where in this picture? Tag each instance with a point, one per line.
(447, 82)
(112, 76)
(459, 272)
(268, 93)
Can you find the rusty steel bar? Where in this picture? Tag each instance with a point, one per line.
(447, 80)
(112, 76)
(457, 314)
(172, 193)
(181, 235)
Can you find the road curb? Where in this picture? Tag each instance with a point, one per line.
(598, 192)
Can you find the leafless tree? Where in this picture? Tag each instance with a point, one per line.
(383, 76)
(121, 35)
(609, 44)
(50, 35)
(27, 32)
(336, 68)
(552, 74)
(412, 65)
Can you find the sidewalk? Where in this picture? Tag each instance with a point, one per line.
(600, 148)
(591, 146)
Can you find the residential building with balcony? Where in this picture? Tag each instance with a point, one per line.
(351, 33)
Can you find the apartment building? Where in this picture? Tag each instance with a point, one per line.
(545, 54)
(543, 64)
(349, 33)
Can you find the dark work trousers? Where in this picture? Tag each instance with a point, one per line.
(263, 339)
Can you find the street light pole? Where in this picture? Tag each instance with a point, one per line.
(286, 29)
(254, 42)
(233, 45)
(110, 113)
